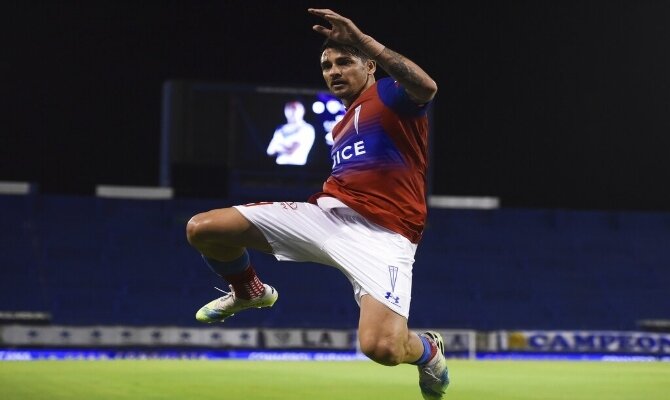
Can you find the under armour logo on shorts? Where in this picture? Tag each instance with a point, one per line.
(391, 297)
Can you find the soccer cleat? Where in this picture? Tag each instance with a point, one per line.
(219, 309)
(434, 376)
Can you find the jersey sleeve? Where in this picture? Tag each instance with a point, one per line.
(395, 97)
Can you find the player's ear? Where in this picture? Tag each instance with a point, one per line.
(371, 66)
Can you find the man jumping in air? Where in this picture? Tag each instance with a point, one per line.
(369, 217)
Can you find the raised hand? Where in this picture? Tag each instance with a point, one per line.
(342, 29)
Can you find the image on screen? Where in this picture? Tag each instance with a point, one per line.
(263, 137)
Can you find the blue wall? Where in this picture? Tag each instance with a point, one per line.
(102, 261)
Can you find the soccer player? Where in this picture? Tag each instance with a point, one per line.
(369, 217)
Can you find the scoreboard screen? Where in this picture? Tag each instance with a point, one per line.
(250, 140)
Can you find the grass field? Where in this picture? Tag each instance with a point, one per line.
(251, 380)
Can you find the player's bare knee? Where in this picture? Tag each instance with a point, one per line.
(213, 227)
(382, 351)
(196, 230)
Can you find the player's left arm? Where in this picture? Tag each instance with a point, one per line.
(420, 87)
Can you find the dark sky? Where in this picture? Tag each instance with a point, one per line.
(544, 104)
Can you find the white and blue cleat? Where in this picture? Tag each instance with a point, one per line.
(434, 375)
(219, 309)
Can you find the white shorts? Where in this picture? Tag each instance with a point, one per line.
(376, 260)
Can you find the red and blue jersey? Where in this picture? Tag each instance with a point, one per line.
(380, 157)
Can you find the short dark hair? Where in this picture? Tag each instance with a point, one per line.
(344, 48)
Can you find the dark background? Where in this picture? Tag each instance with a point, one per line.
(544, 104)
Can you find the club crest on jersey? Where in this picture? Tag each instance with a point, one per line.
(391, 296)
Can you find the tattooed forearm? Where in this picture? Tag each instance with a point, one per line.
(416, 82)
(396, 65)
(420, 87)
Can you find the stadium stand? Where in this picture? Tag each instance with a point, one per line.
(88, 260)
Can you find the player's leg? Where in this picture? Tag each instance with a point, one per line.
(222, 236)
(290, 231)
(224, 233)
(385, 338)
(378, 262)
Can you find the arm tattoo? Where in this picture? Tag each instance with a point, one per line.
(419, 86)
(396, 65)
